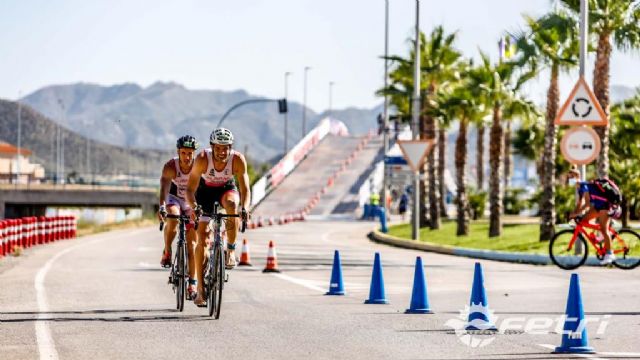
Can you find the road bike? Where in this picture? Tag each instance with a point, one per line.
(215, 273)
(568, 248)
(180, 265)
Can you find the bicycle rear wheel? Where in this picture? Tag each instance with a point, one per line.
(180, 277)
(565, 257)
(626, 248)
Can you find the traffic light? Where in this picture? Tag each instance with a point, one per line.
(282, 106)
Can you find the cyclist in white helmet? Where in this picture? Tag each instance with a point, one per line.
(214, 176)
(173, 188)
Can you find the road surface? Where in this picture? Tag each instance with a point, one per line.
(106, 297)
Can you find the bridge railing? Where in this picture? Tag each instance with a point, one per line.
(79, 187)
(278, 172)
(27, 232)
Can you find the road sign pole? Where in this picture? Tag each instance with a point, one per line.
(415, 228)
(584, 21)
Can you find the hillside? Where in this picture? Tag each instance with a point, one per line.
(39, 136)
(153, 117)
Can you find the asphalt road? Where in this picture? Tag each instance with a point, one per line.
(105, 297)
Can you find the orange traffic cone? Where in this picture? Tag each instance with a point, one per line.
(244, 257)
(272, 261)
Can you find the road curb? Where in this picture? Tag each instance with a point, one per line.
(521, 258)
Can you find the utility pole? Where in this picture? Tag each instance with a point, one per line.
(18, 169)
(385, 115)
(304, 103)
(286, 115)
(331, 83)
(415, 118)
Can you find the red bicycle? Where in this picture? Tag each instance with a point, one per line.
(568, 248)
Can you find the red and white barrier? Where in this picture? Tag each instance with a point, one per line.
(31, 231)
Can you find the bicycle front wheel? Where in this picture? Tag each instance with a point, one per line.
(217, 270)
(566, 257)
(626, 248)
(180, 276)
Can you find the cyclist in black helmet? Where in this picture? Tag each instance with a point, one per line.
(173, 187)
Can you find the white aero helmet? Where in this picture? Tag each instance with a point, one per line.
(221, 136)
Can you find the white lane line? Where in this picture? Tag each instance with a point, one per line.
(46, 345)
(302, 282)
(586, 356)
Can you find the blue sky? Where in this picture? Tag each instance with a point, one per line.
(246, 44)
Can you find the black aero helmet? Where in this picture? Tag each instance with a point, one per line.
(188, 142)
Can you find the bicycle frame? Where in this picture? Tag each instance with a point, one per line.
(581, 228)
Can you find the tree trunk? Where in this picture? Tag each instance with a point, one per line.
(625, 212)
(601, 90)
(462, 202)
(495, 163)
(434, 213)
(480, 157)
(548, 200)
(442, 145)
(507, 156)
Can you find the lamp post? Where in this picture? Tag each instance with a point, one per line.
(286, 117)
(415, 229)
(304, 103)
(18, 170)
(60, 150)
(331, 83)
(385, 112)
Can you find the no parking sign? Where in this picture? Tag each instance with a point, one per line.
(580, 145)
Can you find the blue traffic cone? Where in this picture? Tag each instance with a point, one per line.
(336, 286)
(479, 313)
(574, 335)
(376, 292)
(419, 300)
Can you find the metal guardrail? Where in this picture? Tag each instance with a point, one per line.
(76, 187)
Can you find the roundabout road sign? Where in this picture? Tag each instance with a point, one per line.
(580, 145)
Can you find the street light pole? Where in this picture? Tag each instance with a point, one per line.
(18, 169)
(60, 147)
(331, 83)
(286, 114)
(304, 103)
(415, 232)
(385, 115)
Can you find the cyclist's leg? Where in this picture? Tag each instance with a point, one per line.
(170, 231)
(204, 198)
(230, 201)
(603, 220)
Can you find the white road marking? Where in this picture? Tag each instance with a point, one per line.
(46, 345)
(586, 356)
(302, 282)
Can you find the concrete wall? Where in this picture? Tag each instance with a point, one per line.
(34, 200)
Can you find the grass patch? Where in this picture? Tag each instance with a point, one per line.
(514, 238)
(88, 228)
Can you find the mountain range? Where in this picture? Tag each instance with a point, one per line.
(153, 117)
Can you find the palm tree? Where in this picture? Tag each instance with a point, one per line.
(497, 86)
(620, 20)
(625, 152)
(459, 103)
(439, 61)
(550, 42)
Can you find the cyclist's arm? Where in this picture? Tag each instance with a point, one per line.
(199, 167)
(168, 174)
(583, 204)
(241, 174)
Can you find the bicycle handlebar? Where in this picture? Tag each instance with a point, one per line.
(171, 216)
